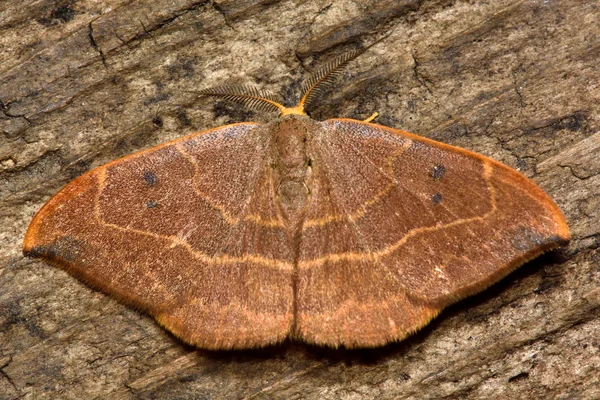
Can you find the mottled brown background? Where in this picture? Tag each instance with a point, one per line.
(84, 82)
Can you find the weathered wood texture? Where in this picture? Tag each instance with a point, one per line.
(84, 82)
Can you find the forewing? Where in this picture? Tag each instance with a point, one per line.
(400, 226)
(187, 231)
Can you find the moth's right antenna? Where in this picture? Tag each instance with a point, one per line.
(324, 77)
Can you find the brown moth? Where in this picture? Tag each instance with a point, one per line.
(337, 233)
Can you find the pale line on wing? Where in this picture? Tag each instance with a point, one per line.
(362, 210)
(374, 256)
(178, 241)
(231, 220)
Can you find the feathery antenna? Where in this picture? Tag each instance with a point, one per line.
(325, 76)
(262, 100)
(248, 96)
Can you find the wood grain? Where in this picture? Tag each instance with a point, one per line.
(84, 83)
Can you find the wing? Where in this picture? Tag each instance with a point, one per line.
(400, 226)
(187, 231)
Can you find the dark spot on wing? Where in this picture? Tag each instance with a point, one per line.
(438, 171)
(437, 198)
(526, 239)
(150, 178)
(151, 204)
(557, 239)
(65, 248)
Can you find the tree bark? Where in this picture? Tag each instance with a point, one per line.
(85, 82)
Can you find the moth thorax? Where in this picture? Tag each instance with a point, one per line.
(292, 165)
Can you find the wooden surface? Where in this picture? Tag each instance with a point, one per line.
(85, 82)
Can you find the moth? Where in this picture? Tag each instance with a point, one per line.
(336, 233)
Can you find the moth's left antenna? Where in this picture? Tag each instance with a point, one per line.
(248, 96)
